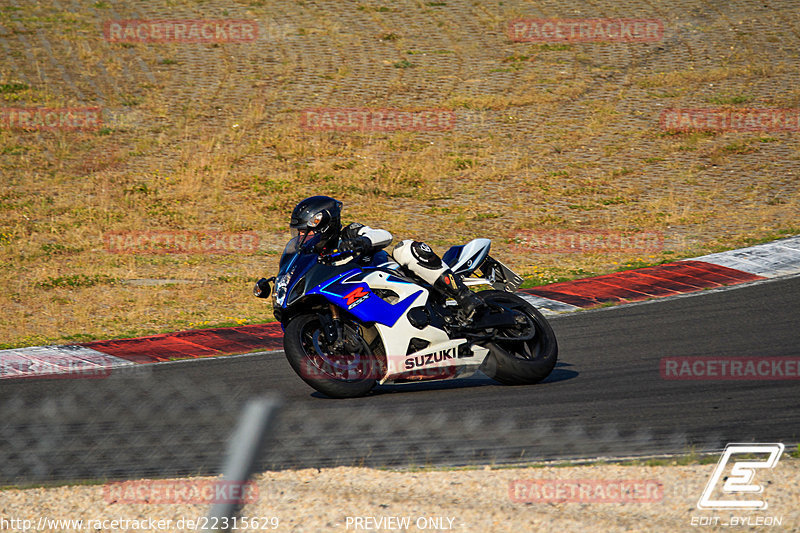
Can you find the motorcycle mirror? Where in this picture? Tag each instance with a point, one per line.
(262, 288)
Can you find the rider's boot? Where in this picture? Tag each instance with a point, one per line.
(451, 285)
(422, 261)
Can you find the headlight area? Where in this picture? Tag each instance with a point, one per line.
(297, 291)
(281, 284)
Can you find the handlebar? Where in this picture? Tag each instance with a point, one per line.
(333, 256)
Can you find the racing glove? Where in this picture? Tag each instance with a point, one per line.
(357, 245)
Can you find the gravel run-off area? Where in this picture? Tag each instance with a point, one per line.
(478, 500)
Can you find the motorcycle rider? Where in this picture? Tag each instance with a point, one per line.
(321, 215)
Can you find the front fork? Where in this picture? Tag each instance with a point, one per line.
(338, 339)
(332, 326)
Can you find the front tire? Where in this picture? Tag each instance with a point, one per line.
(520, 362)
(338, 375)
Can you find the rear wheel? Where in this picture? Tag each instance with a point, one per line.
(346, 371)
(520, 362)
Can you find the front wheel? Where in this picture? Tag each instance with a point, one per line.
(519, 362)
(347, 371)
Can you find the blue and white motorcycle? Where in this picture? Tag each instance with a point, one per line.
(352, 321)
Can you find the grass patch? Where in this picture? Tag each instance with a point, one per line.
(558, 47)
(642, 263)
(463, 163)
(554, 275)
(12, 88)
(75, 281)
(694, 77)
(14, 150)
(739, 148)
(56, 248)
(616, 200)
(730, 99)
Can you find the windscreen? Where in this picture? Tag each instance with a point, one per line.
(300, 239)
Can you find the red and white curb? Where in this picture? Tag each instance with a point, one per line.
(769, 260)
(546, 305)
(99, 358)
(58, 362)
(763, 261)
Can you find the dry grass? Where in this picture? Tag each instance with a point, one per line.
(547, 136)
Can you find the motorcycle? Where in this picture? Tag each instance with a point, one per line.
(354, 320)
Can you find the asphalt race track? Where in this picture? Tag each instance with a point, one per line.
(606, 395)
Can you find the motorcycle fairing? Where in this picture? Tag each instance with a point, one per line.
(391, 320)
(431, 361)
(466, 258)
(351, 290)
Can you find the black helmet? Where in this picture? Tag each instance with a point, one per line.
(317, 216)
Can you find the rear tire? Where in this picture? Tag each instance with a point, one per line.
(335, 375)
(520, 362)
